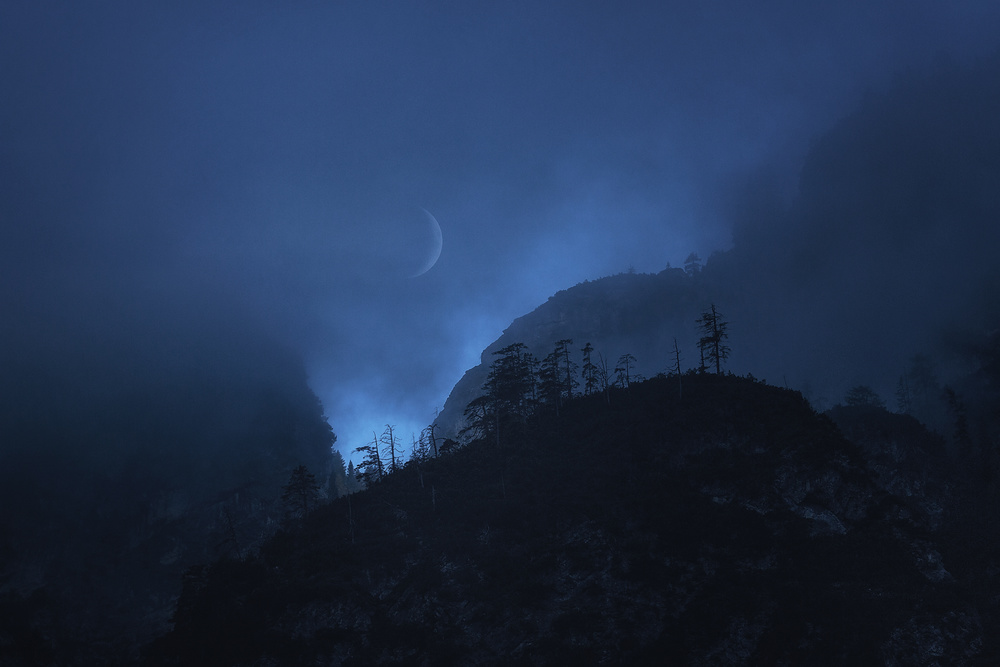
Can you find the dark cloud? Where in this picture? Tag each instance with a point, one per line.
(888, 248)
(260, 164)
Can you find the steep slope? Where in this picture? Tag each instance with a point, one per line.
(637, 314)
(731, 526)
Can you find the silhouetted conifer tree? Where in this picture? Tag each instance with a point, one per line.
(676, 369)
(589, 371)
(352, 478)
(509, 393)
(863, 395)
(370, 468)
(338, 483)
(550, 380)
(557, 375)
(479, 415)
(569, 368)
(301, 491)
(447, 446)
(510, 384)
(420, 454)
(626, 364)
(714, 334)
(433, 439)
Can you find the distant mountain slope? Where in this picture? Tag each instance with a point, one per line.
(733, 526)
(637, 314)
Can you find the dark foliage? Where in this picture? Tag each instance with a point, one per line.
(301, 492)
(735, 526)
(714, 333)
(862, 395)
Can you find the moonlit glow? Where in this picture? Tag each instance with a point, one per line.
(437, 244)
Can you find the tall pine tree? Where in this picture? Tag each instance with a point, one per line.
(713, 336)
(370, 469)
(568, 368)
(301, 492)
(589, 371)
(624, 370)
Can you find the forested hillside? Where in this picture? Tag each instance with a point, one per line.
(716, 521)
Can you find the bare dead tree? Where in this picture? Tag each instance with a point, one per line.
(388, 441)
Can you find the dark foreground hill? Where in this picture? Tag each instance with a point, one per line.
(731, 526)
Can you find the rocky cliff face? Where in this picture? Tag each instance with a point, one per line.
(637, 314)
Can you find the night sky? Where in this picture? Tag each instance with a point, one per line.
(169, 163)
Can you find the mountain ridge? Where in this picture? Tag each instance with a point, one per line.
(628, 313)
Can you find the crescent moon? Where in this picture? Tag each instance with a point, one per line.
(438, 240)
